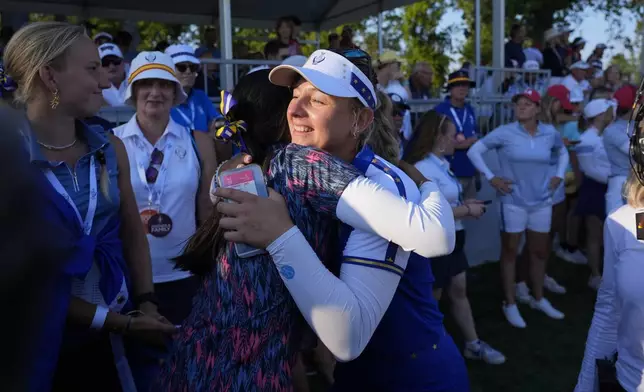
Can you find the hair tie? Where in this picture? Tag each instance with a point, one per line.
(6, 82)
(230, 128)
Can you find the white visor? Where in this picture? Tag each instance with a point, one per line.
(330, 73)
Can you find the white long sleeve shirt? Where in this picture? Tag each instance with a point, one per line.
(618, 322)
(344, 312)
(593, 161)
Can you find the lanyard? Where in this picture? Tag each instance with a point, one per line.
(93, 195)
(191, 119)
(445, 168)
(460, 124)
(154, 193)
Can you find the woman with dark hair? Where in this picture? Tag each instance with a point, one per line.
(242, 333)
(433, 139)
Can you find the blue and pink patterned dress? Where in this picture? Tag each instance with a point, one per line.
(243, 332)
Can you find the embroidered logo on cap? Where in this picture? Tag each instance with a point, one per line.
(151, 57)
(318, 59)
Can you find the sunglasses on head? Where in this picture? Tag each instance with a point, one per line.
(106, 62)
(360, 59)
(182, 68)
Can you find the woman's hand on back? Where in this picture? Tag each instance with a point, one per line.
(253, 220)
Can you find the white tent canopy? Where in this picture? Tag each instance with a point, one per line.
(315, 14)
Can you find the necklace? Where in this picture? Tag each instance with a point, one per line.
(58, 148)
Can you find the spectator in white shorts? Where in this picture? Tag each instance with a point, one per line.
(526, 183)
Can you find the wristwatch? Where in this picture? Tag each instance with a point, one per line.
(146, 297)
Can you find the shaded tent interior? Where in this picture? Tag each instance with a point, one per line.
(315, 14)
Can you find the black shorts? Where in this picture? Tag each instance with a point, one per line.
(445, 268)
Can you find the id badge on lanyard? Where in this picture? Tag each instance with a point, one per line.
(460, 124)
(155, 222)
(93, 195)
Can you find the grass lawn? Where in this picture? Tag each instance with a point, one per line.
(545, 356)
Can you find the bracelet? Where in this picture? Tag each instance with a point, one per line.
(99, 318)
(127, 326)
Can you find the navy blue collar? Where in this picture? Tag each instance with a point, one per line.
(363, 159)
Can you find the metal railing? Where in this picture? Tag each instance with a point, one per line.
(491, 98)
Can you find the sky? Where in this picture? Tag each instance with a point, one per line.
(594, 29)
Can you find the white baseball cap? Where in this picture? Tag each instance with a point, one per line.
(596, 107)
(109, 49)
(576, 95)
(531, 65)
(330, 73)
(580, 65)
(182, 54)
(153, 65)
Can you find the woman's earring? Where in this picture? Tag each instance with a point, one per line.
(441, 148)
(55, 99)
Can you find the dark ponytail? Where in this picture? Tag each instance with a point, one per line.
(262, 105)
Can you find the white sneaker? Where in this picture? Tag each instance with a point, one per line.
(551, 285)
(565, 255)
(594, 282)
(513, 316)
(483, 351)
(523, 293)
(546, 307)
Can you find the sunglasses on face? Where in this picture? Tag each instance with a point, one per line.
(106, 62)
(399, 113)
(182, 68)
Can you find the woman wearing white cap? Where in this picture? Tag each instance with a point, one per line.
(526, 182)
(170, 167)
(593, 163)
(112, 62)
(197, 112)
(616, 335)
(333, 103)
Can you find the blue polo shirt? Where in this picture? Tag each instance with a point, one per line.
(410, 350)
(465, 122)
(526, 160)
(197, 112)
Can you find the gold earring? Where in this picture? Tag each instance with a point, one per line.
(55, 99)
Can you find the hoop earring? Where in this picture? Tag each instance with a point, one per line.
(55, 99)
(441, 149)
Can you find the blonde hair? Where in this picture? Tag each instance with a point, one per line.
(34, 46)
(545, 115)
(380, 134)
(37, 45)
(634, 192)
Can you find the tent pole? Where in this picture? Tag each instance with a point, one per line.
(226, 44)
(477, 27)
(498, 33)
(380, 22)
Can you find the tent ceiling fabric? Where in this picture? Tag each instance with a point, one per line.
(324, 14)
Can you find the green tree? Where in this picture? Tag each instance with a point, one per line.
(538, 16)
(422, 38)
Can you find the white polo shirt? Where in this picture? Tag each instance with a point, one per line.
(115, 96)
(175, 189)
(437, 169)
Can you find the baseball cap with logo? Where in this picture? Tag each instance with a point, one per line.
(561, 93)
(153, 65)
(398, 101)
(580, 65)
(103, 34)
(331, 73)
(531, 65)
(182, 54)
(529, 93)
(109, 49)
